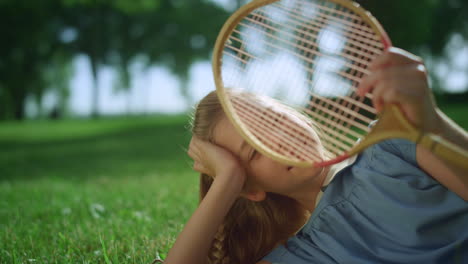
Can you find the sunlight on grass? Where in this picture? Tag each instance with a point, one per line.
(115, 195)
(56, 219)
(108, 191)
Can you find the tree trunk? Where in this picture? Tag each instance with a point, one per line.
(95, 91)
(95, 53)
(5, 104)
(19, 96)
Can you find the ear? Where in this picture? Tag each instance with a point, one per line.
(254, 195)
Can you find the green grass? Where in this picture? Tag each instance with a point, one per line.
(108, 191)
(458, 112)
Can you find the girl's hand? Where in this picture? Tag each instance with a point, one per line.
(195, 240)
(216, 162)
(399, 77)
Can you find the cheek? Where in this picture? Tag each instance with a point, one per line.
(266, 172)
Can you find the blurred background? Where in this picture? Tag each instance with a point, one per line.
(89, 58)
(94, 103)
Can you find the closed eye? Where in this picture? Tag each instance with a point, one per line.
(252, 155)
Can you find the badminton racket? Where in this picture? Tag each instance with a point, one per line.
(305, 59)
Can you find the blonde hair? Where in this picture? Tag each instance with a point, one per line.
(250, 229)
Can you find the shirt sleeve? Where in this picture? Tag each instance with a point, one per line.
(275, 256)
(395, 159)
(299, 249)
(400, 147)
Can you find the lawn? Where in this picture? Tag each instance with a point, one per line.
(117, 190)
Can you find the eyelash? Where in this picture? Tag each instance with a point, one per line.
(252, 156)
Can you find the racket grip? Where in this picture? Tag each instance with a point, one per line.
(445, 150)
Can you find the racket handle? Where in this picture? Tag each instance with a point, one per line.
(445, 150)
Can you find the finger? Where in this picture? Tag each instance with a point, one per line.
(397, 75)
(197, 156)
(408, 95)
(191, 146)
(199, 143)
(198, 166)
(367, 83)
(194, 151)
(396, 85)
(193, 154)
(393, 57)
(377, 95)
(193, 141)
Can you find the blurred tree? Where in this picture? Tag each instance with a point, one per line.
(449, 17)
(420, 24)
(30, 38)
(56, 76)
(166, 32)
(182, 33)
(423, 27)
(106, 35)
(90, 20)
(43, 37)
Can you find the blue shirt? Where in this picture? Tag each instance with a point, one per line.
(382, 209)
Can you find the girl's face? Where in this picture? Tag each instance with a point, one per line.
(264, 174)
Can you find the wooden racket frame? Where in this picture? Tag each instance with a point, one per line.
(391, 121)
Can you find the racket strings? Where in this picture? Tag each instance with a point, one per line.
(313, 54)
(314, 46)
(327, 116)
(358, 102)
(350, 30)
(342, 129)
(306, 69)
(349, 49)
(277, 132)
(262, 124)
(291, 149)
(283, 130)
(330, 49)
(335, 138)
(271, 35)
(324, 104)
(335, 142)
(346, 75)
(241, 54)
(339, 11)
(287, 140)
(356, 65)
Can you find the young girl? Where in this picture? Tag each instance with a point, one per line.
(394, 203)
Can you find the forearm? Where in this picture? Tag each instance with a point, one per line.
(451, 131)
(193, 243)
(458, 136)
(450, 175)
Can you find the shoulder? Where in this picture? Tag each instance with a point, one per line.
(438, 170)
(385, 169)
(390, 157)
(264, 262)
(401, 148)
